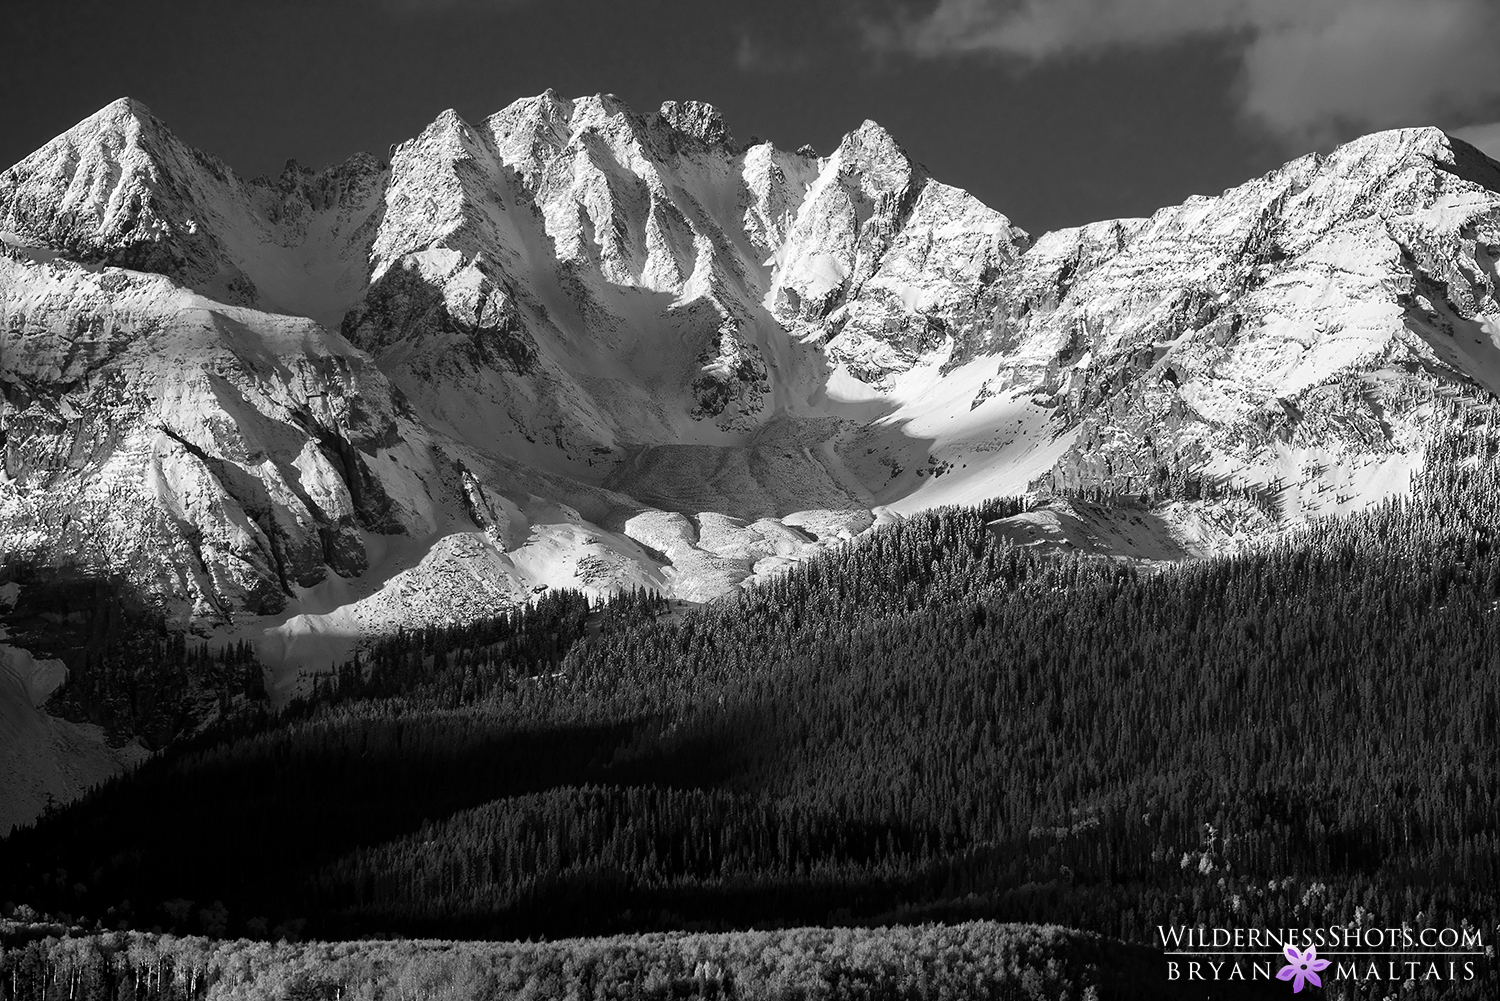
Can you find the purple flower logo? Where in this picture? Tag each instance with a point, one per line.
(1302, 967)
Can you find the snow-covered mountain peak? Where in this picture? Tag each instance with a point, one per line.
(447, 145)
(529, 132)
(873, 155)
(122, 123)
(884, 264)
(699, 121)
(119, 186)
(1304, 319)
(1386, 152)
(106, 170)
(611, 119)
(448, 125)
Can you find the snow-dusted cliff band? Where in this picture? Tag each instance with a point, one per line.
(573, 345)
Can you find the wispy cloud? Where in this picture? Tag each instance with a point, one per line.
(1309, 69)
(752, 56)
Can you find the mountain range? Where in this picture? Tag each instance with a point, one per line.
(576, 346)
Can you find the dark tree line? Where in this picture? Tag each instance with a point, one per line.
(459, 665)
(127, 671)
(154, 686)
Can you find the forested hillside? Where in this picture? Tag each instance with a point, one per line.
(930, 724)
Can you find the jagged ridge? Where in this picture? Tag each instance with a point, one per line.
(584, 345)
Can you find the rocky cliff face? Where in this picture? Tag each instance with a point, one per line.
(217, 455)
(574, 345)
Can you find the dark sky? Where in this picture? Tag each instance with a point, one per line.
(1057, 137)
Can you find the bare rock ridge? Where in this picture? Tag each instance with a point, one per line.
(574, 345)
